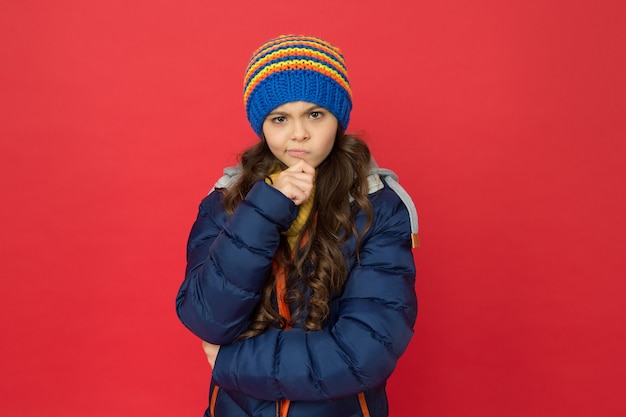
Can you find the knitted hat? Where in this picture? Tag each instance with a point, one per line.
(296, 68)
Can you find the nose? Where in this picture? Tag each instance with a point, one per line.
(300, 131)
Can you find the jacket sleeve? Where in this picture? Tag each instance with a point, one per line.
(377, 311)
(228, 262)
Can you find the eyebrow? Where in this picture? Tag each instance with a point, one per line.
(307, 110)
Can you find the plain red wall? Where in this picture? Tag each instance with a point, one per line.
(504, 120)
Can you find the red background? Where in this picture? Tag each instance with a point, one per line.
(504, 120)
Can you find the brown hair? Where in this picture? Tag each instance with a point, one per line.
(318, 268)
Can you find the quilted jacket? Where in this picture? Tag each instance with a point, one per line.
(339, 371)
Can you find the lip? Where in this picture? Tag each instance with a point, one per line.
(296, 153)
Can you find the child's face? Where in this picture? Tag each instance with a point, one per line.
(300, 130)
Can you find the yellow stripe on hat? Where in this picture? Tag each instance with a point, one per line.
(294, 65)
(283, 53)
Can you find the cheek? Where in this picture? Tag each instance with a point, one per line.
(328, 144)
(331, 136)
(274, 148)
(271, 136)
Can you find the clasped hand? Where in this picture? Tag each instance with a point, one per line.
(296, 182)
(211, 352)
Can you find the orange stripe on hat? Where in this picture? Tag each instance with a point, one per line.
(301, 53)
(293, 65)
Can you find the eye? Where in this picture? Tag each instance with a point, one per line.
(316, 114)
(279, 119)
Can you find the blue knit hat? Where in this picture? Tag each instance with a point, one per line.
(296, 68)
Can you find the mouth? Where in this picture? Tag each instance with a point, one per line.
(296, 153)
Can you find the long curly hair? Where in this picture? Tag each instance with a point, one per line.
(318, 269)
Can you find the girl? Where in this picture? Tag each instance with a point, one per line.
(300, 271)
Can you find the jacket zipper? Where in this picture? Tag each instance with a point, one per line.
(213, 401)
(364, 408)
(282, 407)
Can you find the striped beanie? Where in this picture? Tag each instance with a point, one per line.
(296, 68)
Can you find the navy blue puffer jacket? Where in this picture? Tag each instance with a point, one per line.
(340, 371)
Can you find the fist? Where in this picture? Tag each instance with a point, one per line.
(296, 182)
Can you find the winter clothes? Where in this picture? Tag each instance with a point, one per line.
(339, 371)
(293, 68)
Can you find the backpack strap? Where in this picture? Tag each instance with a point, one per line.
(375, 179)
(391, 179)
(230, 177)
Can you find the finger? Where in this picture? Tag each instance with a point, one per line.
(288, 180)
(298, 197)
(302, 167)
(307, 169)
